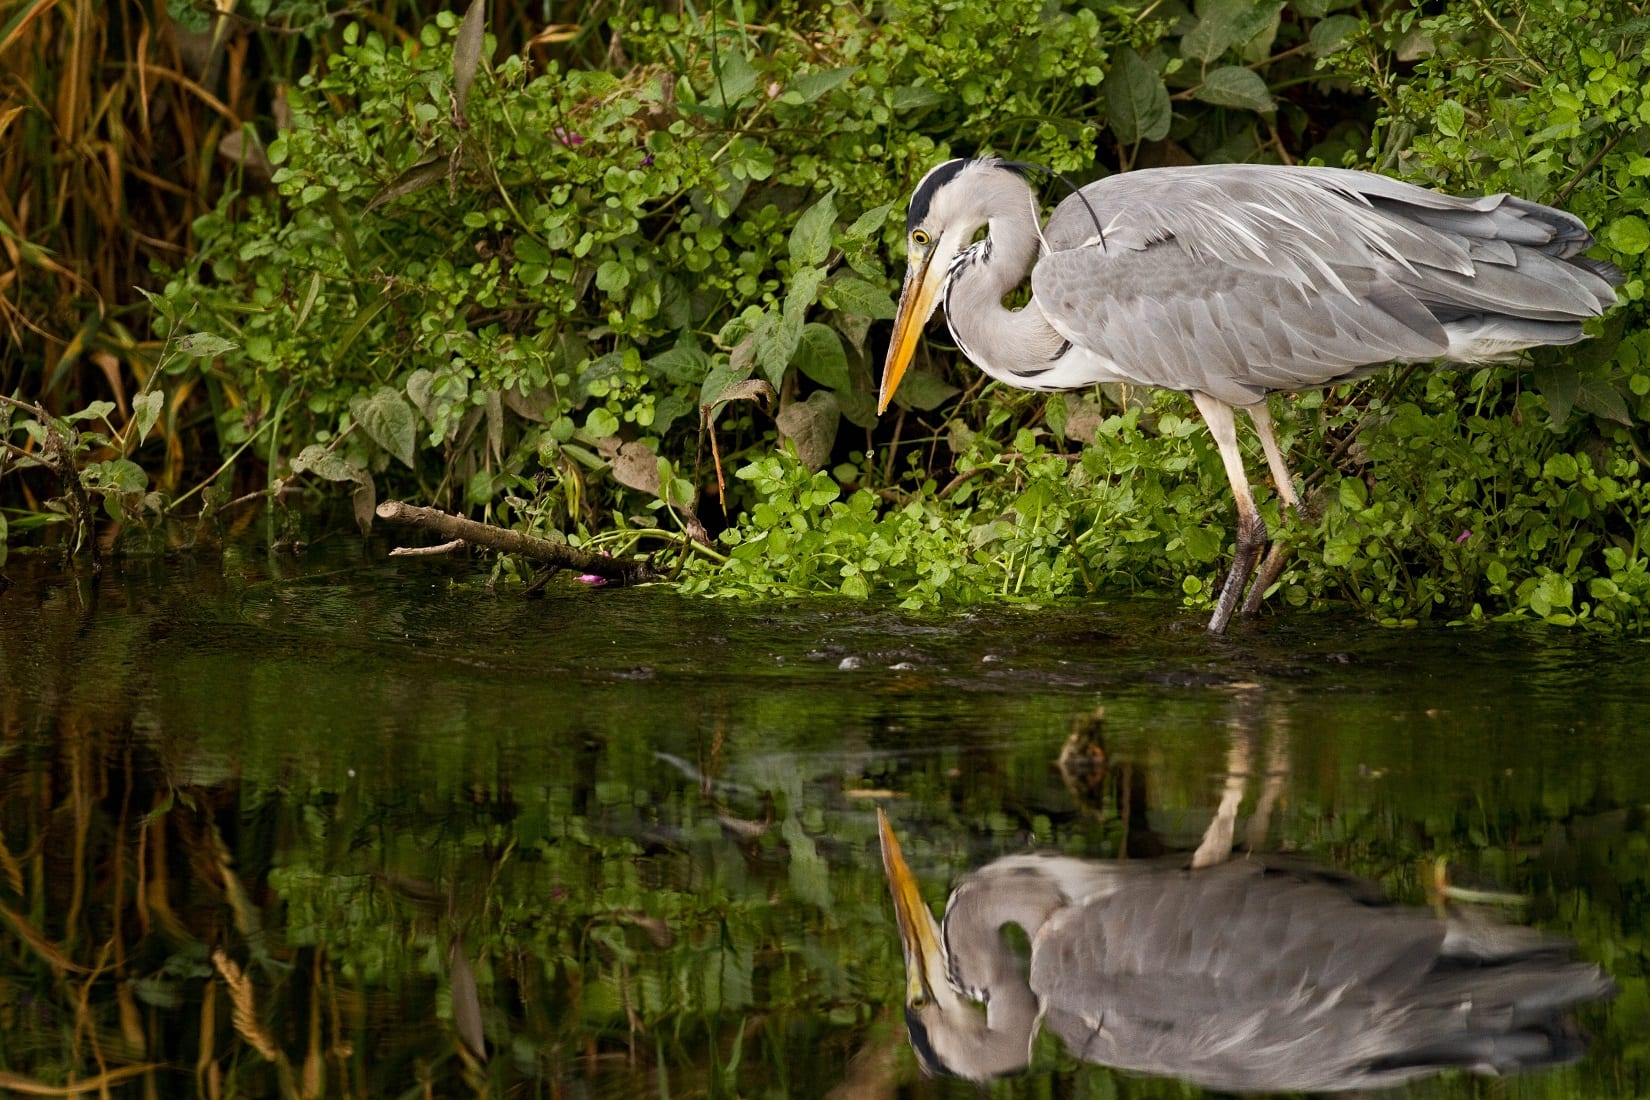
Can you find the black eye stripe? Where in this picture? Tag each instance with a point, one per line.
(917, 213)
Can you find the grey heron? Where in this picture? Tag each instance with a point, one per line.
(1234, 977)
(1231, 282)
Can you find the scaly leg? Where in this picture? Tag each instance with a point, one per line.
(1279, 553)
(1251, 530)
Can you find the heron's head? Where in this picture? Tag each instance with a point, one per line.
(938, 1018)
(948, 207)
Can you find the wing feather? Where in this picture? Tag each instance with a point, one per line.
(1168, 319)
(1238, 280)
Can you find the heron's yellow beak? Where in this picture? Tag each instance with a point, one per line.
(919, 933)
(916, 305)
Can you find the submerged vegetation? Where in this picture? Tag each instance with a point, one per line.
(624, 282)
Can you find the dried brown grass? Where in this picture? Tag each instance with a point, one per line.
(107, 133)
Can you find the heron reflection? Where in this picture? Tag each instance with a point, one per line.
(1237, 977)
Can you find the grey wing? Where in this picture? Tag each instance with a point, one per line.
(1315, 273)
(1167, 318)
(1228, 978)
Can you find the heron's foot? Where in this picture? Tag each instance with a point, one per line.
(1251, 537)
(1276, 558)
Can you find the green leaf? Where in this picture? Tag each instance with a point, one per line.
(160, 304)
(389, 419)
(683, 363)
(1054, 415)
(810, 86)
(1629, 234)
(1226, 23)
(777, 339)
(1603, 400)
(719, 379)
(1236, 86)
(870, 223)
(733, 81)
(1559, 386)
(421, 391)
(1450, 118)
(913, 98)
(118, 475)
(146, 409)
(410, 182)
(811, 239)
(600, 423)
(855, 296)
(1329, 34)
(923, 391)
(1212, 34)
(1137, 100)
(612, 277)
(1339, 551)
(821, 357)
(316, 459)
(97, 410)
(804, 289)
(1317, 9)
(204, 345)
(1561, 467)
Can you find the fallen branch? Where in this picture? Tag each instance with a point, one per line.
(506, 541)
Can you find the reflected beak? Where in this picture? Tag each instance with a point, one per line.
(916, 304)
(919, 933)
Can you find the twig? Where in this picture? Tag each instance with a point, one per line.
(428, 551)
(1582, 172)
(514, 542)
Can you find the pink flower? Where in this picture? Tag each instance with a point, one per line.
(592, 579)
(1463, 536)
(568, 138)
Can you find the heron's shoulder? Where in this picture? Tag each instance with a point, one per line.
(1076, 880)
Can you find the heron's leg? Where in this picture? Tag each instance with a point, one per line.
(1251, 530)
(1262, 416)
(1279, 553)
(1216, 845)
(1277, 772)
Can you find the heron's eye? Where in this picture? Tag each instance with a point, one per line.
(920, 238)
(919, 1002)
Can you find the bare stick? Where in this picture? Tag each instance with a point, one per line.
(428, 551)
(514, 542)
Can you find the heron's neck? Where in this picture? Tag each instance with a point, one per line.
(1010, 345)
(983, 964)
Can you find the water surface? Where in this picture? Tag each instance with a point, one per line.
(340, 824)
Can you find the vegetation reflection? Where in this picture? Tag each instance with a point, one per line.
(179, 926)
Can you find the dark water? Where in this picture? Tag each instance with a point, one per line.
(322, 825)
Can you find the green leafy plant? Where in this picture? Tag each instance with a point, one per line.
(90, 456)
(571, 287)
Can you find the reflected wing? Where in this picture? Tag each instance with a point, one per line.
(1248, 980)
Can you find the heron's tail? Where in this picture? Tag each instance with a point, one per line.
(1524, 283)
(1500, 1016)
